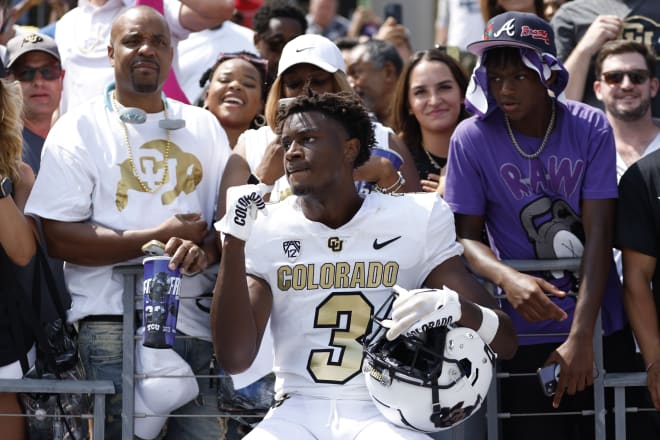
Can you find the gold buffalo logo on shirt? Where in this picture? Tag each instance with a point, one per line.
(156, 168)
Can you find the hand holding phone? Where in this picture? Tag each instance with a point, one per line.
(395, 11)
(548, 377)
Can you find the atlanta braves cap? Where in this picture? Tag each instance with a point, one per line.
(22, 44)
(311, 49)
(516, 29)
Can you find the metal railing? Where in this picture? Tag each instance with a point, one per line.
(618, 381)
(132, 276)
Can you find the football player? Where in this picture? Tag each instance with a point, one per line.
(319, 263)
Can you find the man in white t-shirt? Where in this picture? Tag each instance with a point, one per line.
(626, 83)
(82, 36)
(120, 170)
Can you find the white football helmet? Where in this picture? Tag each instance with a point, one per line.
(428, 383)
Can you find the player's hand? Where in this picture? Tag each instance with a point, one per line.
(415, 311)
(186, 255)
(243, 204)
(576, 358)
(653, 382)
(528, 295)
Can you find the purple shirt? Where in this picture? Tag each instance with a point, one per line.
(532, 207)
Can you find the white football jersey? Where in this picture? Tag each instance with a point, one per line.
(327, 283)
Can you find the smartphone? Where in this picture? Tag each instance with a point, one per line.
(548, 377)
(394, 10)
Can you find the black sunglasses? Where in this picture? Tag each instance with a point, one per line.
(615, 77)
(48, 73)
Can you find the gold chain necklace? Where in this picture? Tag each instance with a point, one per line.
(431, 159)
(166, 156)
(545, 137)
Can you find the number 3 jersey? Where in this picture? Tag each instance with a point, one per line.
(327, 283)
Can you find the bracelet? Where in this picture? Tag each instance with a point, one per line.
(400, 181)
(490, 322)
(652, 363)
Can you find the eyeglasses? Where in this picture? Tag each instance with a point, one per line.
(48, 73)
(615, 77)
(260, 63)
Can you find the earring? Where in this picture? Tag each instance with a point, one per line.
(259, 121)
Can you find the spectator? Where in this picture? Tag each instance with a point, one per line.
(275, 24)
(373, 72)
(109, 184)
(236, 92)
(325, 138)
(583, 26)
(323, 19)
(428, 104)
(539, 174)
(83, 33)
(458, 23)
(627, 102)
(637, 237)
(17, 247)
(208, 45)
(34, 61)
(491, 8)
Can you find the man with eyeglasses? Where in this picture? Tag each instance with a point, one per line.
(626, 85)
(34, 61)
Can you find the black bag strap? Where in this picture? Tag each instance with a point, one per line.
(44, 268)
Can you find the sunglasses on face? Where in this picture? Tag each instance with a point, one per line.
(615, 77)
(28, 74)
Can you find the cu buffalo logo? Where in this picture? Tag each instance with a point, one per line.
(184, 172)
(335, 244)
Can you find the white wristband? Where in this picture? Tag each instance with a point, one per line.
(489, 324)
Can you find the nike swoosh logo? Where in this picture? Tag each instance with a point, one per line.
(304, 48)
(384, 243)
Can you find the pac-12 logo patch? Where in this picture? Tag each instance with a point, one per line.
(291, 249)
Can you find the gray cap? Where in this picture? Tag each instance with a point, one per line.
(22, 44)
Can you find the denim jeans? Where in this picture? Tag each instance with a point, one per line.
(99, 344)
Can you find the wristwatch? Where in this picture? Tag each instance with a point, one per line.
(6, 187)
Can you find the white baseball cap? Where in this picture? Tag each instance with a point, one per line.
(311, 49)
(157, 395)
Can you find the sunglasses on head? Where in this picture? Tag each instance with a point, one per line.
(615, 77)
(249, 58)
(28, 74)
